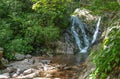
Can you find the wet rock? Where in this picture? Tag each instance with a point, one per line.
(32, 61)
(4, 62)
(45, 67)
(9, 70)
(45, 61)
(28, 56)
(19, 56)
(67, 68)
(25, 61)
(28, 61)
(49, 75)
(32, 75)
(28, 71)
(18, 71)
(64, 47)
(14, 75)
(23, 67)
(5, 76)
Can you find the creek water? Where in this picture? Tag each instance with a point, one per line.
(69, 59)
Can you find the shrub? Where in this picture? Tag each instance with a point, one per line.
(5, 33)
(52, 12)
(107, 6)
(25, 30)
(108, 59)
(17, 45)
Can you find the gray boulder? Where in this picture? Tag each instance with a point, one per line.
(4, 62)
(19, 57)
(28, 56)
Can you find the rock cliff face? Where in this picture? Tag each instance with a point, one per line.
(64, 47)
(80, 34)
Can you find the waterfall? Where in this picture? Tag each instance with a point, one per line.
(96, 31)
(76, 36)
(84, 44)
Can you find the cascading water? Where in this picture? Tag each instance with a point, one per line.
(96, 31)
(84, 44)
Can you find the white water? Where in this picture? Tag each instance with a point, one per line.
(96, 31)
(76, 36)
(76, 22)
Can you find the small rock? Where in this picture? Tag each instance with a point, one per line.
(18, 71)
(45, 68)
(51, 68)
(67, 68)
(45, 61)
(49, 75)
(25, 61)
(28, 71)
(32, 75)
(10, 69)
(4, 62)
(19, 56)
(5, 76)
(14, 75)
(28, 56)
(31, 61)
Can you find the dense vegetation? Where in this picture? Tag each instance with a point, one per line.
(107, 59)
(30, 26)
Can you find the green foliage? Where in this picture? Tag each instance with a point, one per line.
(5, 33)
(17, 46)
(25, 30)
(53, 12)
(39, 35)
(109, 57)
(100, 6)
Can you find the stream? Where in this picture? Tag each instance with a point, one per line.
(42, 67)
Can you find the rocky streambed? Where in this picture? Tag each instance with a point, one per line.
(59, 67)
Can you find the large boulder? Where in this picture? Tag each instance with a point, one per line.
(19, 57)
